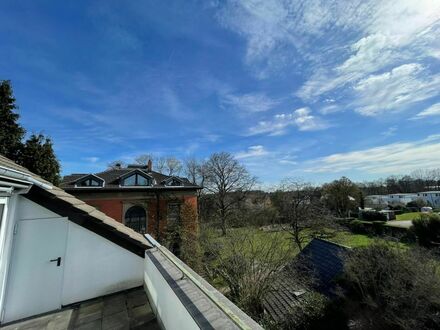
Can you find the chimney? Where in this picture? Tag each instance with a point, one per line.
(150, 165)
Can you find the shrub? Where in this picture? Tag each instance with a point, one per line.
(344, 221)
(357, 227)
(418, 203)
(378, 227)
(427, 229)
(373, 216)
(388, 287)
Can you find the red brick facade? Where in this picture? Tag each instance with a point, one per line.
(116, 206)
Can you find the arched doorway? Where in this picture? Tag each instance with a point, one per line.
(136, 219)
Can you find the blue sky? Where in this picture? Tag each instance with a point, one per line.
(312, 89)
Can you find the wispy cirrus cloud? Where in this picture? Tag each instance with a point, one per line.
(433, 110)
(92, 159)
(393, 35)
(340, 46)
(251, 102)
(251, 152)
(399, 157)
(390, 131)
(302, 119)
(394, 90)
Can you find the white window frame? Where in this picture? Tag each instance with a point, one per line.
(5, 248)
(3, 201)
(87, 177)
(135, 172)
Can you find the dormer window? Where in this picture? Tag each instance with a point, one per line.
(90, 181)
(173, 182)
(136, 179)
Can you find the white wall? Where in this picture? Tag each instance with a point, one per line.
(433, 198)
(28, 210)
(170, 312)
(95, 266)
(7, 228)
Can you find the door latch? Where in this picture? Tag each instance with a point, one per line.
(58, 260)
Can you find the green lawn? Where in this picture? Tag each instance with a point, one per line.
(408, 216)
(262, 238)
(343, 237)
(351, 240)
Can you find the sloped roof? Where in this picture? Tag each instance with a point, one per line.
(324, 259)
(284, 296)
(66, 205)
(112, 179)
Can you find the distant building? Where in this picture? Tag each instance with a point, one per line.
(432, 198)
(401, 199)
(379, 201)
(137, 196)
(372, 201)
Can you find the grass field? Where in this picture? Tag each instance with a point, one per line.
(257, 237)
(261, 237)
(408, 216)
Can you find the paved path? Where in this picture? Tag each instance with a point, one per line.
(400, 223)
(126, 310)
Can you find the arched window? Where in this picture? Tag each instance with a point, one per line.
(136, 219)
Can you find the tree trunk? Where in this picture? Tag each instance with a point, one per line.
(223, 225)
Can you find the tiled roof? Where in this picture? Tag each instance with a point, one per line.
(112, 179)
(64, 204)
(284, 296)
(324, 259)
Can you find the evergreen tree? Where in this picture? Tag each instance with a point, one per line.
(11, 133)
(39, 157)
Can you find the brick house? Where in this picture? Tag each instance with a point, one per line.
(142, 199)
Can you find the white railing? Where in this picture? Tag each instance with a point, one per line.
(169, 309)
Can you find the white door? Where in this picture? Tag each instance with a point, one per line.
(36, 276)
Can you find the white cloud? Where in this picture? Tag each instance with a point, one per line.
(252, 102)
(91, 159)
(391, 36)
(301, 118)
(400, 157)
(390, 131)
(277, 31)
(394, 90)
(433, 110)
(253, 151)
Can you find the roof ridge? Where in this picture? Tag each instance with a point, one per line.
(330, 242)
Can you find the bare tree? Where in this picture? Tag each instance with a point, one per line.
(143, 159)
(247, 266)
(160, 164)
(229, 181)
(173, 166)
(195, 171)
(167, 165)
(116, 164)
(190, 168)
(301, 210)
